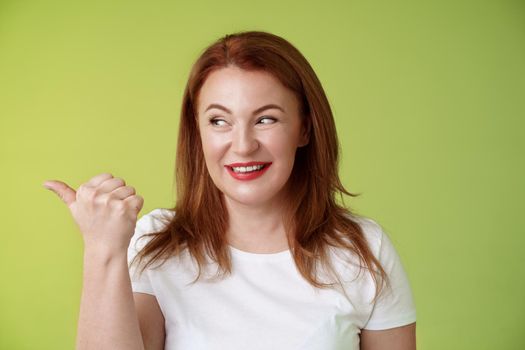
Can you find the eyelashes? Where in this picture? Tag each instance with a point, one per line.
(268, 118)
(215, 121)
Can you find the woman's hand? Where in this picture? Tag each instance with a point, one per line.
(105, 210)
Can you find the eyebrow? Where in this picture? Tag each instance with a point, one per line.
(258, 110)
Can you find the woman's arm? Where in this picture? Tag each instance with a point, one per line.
(399, 338)
(105, 210)
(151, 321)
(108, 318)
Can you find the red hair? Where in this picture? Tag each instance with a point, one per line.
(316, 220)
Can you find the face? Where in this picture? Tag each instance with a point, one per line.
(250, 129)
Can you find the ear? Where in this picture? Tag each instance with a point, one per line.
(305, 132)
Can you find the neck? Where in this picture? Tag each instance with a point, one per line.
(257, 229)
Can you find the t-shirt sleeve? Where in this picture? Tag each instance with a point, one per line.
(140, 282)
(395, 305)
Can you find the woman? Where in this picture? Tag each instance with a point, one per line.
(256, 254)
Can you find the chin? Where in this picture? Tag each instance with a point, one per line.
(249, 199)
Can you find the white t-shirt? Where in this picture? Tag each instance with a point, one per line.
(266, 303)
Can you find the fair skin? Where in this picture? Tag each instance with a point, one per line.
(242, 135)
(106, 210)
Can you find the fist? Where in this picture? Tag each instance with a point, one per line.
(104, 209)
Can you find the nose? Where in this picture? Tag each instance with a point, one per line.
(244, 142)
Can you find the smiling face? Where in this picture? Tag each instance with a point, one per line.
(248, 120)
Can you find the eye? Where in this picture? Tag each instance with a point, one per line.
(217, 122)
(267, 120)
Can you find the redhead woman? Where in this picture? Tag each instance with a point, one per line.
(256, 253)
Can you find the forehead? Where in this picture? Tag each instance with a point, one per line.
(239, 89)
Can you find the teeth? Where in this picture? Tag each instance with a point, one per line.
(248, 169)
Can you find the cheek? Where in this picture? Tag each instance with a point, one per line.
(212, 145)
(281, 147)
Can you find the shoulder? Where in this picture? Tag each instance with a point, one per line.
(379, 241)
(373, 232)
(349, 262)
(153, 221)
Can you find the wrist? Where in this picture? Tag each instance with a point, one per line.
(104, 253)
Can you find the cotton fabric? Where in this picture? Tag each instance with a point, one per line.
(266, 303)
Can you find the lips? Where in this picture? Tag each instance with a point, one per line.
(250, 175)
(247, 164)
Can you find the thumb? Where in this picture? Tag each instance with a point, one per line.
(66, 193)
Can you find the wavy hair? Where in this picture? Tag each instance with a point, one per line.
(316, 221)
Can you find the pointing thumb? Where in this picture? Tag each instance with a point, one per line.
(66, 193)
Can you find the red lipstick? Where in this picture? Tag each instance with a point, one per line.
(248, 175)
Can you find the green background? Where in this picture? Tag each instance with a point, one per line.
(429, 102)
